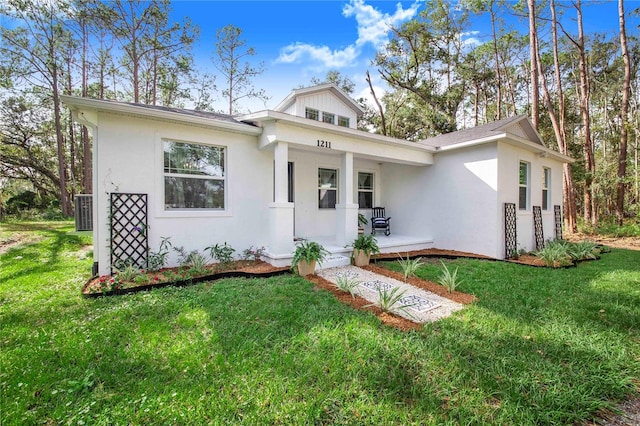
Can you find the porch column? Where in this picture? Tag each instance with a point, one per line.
(280, 210)
(346, 211)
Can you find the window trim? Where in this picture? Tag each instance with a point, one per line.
(546, 188)
(372, 190)
(526, 185)
(346, 121)
(177, 136)
(308, 112)
(337, 186)
(328, 115)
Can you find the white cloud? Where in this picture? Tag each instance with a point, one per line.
(373, 25)
(470, 39)
(373, 28)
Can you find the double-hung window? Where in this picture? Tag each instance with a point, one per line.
(194, 176)
(546, 193)
(327, 188)
(343, 121)
(365, 190)
(523, 196)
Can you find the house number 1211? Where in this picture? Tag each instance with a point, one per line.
(324, 144)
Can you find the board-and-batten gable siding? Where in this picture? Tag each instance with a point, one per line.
(323, 102)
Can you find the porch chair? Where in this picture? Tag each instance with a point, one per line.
(380, 221)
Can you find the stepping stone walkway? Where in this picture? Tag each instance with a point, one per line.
(415, 304)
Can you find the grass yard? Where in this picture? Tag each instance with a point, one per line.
(539, 347)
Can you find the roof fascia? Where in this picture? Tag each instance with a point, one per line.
(81, 107)
(541, 150)
(270, 115)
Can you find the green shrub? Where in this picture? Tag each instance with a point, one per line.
(222, 253)
(308, 251)
(555, 253)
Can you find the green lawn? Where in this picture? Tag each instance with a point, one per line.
(540, 347)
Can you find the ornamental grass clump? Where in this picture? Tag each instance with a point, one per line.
(584, 250)
(347, 284)
(387, 298)
(449, 279)
(555, 253)
(409, 266)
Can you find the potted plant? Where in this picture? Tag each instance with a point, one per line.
(362, 220)
(363, 247)
(306, 255)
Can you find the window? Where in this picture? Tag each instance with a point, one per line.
(193, 176)
(524, 186)
(328, 118)
(546, 182)
(343, 121)
(365, 190)
(327, 188)
(311, 113)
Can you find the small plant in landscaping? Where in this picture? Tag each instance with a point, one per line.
(387, 298)
(197, 264)
(584, 250)
(157, 259)
(409, 266)
(141, 279)
(129, 272)
(448, 279)
(347, 284)
(108, 284)
(222, 253)
(555, 253)
(253, 253)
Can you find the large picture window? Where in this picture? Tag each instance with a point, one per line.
(546, 182)
(365, 190)
(327, 188)
(194, 176)
(523, 196)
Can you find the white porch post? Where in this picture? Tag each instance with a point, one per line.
(346, 211)
(280, 210)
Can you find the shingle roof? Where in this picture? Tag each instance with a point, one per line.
(480, 132)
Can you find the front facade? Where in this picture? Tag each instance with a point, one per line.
(303, 170)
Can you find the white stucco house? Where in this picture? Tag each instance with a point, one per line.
(303, 170)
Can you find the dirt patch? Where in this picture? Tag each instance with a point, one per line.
(628, 243)
(7, 243)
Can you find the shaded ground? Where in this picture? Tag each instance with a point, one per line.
(629, 243)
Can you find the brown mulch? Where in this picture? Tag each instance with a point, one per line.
(431, 252)
(432, 287)
(362, 304)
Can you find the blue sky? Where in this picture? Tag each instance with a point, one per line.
(298, 40)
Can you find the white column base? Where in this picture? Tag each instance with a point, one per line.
(281, 228)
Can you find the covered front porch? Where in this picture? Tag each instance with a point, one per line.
(316, 168)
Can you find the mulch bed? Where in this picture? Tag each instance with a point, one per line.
(240, 268)
(362, 304)
(456, 296)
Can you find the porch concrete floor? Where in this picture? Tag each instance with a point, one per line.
(420, 306)
(388, 244)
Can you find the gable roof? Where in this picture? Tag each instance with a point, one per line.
(205, 118)
(519, 126)
(291, 98)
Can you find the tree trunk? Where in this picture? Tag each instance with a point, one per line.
(375, 98)
(626, 90)
(533, 42)
(590, 210)
(65, 204)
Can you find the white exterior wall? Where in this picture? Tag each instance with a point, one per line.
(508, 187)
(323, 102)
(454, 201)
(310, 220)
(130, 160)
